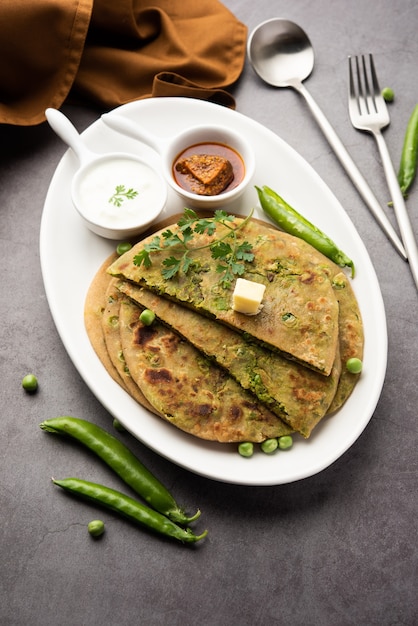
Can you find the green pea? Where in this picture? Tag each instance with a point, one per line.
(285, 442)
(96, 528)
(354, 365)
(246, 448)
(269, 445)
(388, 94)
(118, 426)
(147, 317)
(30, 383)
(123, 247)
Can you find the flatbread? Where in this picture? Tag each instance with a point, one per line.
(299, 317)
(298, 395)
(94, 306)
(351, 336)
(111, 334)
(189, 390)
(305, 403)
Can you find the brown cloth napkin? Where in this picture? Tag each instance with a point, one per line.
(108, 52)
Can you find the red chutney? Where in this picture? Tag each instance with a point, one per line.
(187, 182)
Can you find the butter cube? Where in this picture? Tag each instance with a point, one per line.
(247, 296)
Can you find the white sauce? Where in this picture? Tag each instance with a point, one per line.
(99, 185)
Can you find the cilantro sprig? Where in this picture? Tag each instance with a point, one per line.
(121, 193)
(230, 255)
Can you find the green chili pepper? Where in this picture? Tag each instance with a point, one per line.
(408, 164)
(122, 461)
(295, 224)
(128, 507)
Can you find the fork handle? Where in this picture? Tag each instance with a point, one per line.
(399, 206)
(352, 170)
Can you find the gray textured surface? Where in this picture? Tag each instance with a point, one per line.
(339, 548)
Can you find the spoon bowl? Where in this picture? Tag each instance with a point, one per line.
(280, 53)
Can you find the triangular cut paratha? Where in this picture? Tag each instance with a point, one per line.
(249, 374)
(93, 312)
(299, 317)
(190, 391)
(300, 396)
(111, 334)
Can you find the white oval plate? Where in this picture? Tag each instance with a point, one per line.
(71, 255)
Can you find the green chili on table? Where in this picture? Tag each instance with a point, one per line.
(408, 164)
(295, 224)
(122, 461)
(128, 507)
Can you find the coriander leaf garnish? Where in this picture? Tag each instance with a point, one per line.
(171, 267)
(143, 257)
(220, 250)
(231, 255)
(244, 252)
(121, 193)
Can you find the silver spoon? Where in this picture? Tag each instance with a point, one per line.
(282, 55)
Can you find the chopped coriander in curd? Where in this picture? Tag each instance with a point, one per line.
(247, 296)
(115, 192)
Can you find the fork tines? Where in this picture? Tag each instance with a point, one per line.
(364, 86)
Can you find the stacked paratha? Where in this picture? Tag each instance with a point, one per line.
(218, 374)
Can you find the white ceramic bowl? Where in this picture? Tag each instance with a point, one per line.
(170, 148)
(118, 195)
(202, 135)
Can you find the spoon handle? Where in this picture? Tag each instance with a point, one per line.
(62, 126)
(352, 170)
(131, 129)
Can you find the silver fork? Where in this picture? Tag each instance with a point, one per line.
(368, 112)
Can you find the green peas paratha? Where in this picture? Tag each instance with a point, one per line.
(93, 312)
(111, 335)
(299, 317)
(254, 384)
(188, 389)
(298, 395)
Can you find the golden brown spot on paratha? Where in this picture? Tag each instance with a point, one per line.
(203, 410)
(307, 278)
(158, 375)
(142, 335)
(235, 412)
